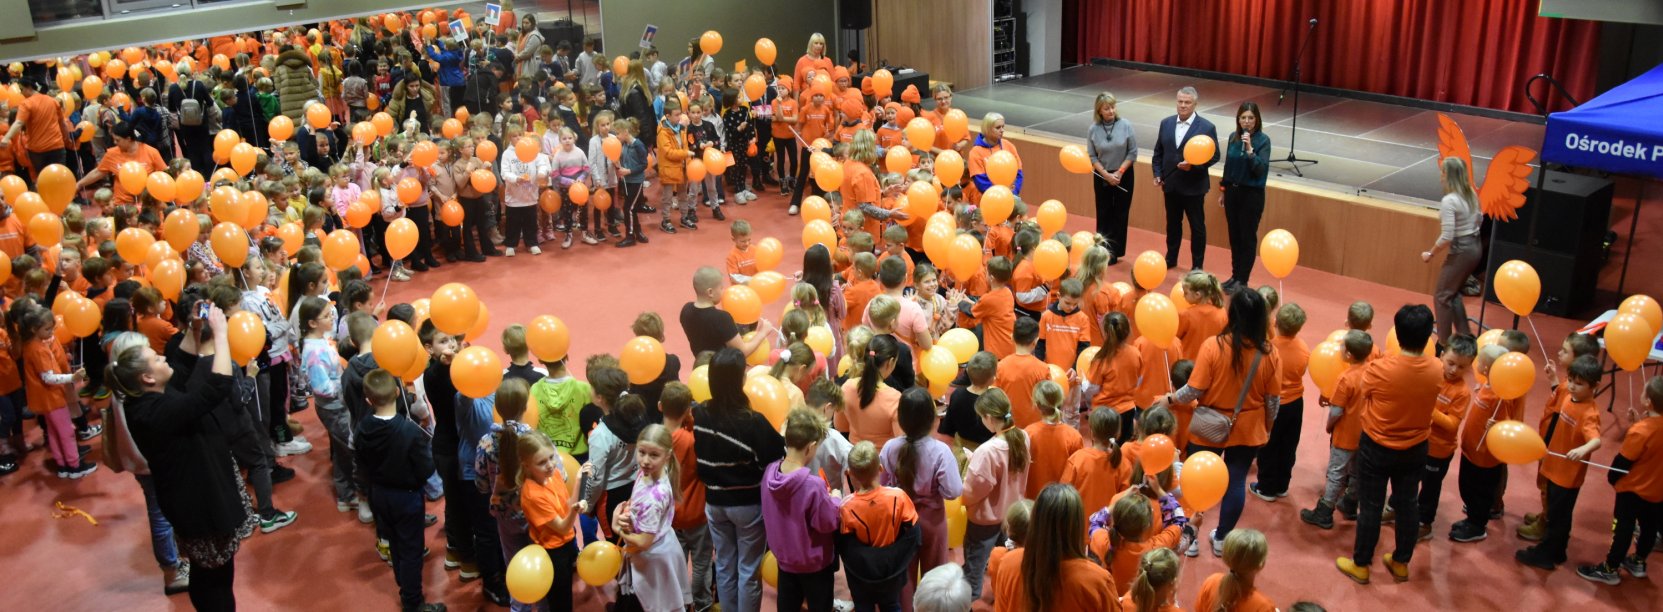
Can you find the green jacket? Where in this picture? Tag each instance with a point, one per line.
(558, 403)
(269, 104)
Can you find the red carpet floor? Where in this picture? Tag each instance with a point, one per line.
(326, 560)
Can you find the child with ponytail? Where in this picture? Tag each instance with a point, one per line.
(869, 405)
(48, 383)
(1205, 317)
(995, 479)
(1053, 440)
(923, 467)
(550, 511)
(657, 576)
(1129, 522)
(1099, 471)
(611, 465)
(1245, 551)
(1155, 585)
(1114, 374)
(496, 470)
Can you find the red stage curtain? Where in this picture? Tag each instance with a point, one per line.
(1472, 52)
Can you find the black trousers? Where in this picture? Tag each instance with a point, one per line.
(630, 203)
(1630, 508)
(211, 587)
(1560, 510)
(813, 589)
(374, 245)
(1431, 487)
(520, 225)
(1278, 455)
(459, 536)
(879, 600)
(198, 146)
(1114, 208)
(398, 518)
(1178, 207)
(1378, 467)
(564, 560)
(802, 184)
(486, 544)
(423, 217)
(1243, 207)
(785, 158)
(476, 223)
(42, 160)
(273, 386)
(1478, 489)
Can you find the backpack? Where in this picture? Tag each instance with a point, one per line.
(190, 109)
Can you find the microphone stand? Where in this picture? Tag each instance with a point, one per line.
(1293, 160)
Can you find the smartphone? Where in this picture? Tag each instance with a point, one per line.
(202, 309)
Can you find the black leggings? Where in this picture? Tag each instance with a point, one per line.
(785, 158)
(803, 185)
(814, 589)
(520, 225)
(423, 217)
(211, 587)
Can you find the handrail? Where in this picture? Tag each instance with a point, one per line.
(1540, 107)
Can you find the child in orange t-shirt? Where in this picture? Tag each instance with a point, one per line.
(1053, 440)
(1245, 552)
(880, 534)
(1345, 430)
(1572, 430)
(1639, 491)
(1156, 582)
(1277, 459)
(1453, 399)
(47, 381)
(1481, 473)
(861, 291)
(895, 245)
(1112, 377)
(995, 311)
(1360, 317)
(1098, 471)
(11, 406)
(1205, 317)
(1064, 329)
(1033, 295)
(1021, 372)
(741, 262)
(1017, 518)
(858, 242)
(692, 528)
(1575, 345)
(1130, 527)
(546, 499)
(147, 305)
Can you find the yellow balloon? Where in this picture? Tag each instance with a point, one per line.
(599, 563)
(530, 574)
(698, 382)
(962, 342)
(771, 570)
(819, 338)
(940, 365)
(956, 522)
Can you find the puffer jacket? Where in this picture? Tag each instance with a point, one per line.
(400, 105)
(672, 155)
(295, 83)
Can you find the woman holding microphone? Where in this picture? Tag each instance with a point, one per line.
(1246, 165)
(1113, 150)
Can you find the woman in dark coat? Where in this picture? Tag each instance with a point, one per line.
(180, 433)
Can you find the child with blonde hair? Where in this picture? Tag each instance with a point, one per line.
(1156, 583)
(1205, 317)
(880, 537)
(657, 576)
(545, 496)
(1245, 552)
(1053, 440)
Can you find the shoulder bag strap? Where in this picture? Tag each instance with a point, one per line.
(1247, 383)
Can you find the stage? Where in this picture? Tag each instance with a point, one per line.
(1364, 148)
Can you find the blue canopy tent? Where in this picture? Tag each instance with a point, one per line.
(1617, 132)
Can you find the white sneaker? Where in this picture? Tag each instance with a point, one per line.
(509, 252)
(365, 515)
(750, 195)
(296, 446)
(535, 251)
(1218, 545)
(841, 605)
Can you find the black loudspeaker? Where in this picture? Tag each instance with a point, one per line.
(855, 14)
(563, 30)
(1573, 213)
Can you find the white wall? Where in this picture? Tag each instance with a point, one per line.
(1044, 35)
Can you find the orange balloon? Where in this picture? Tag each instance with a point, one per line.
(481, 323)
(5, 267)
(393, 23)
(28, 205)
(221, 61)
(243, 158)
(1149, 270)
(401, 238)
(1327, 364)
(710, 42)
(476, 371)
(1157, 319)
(168, 276)
(1074, 159)
(230, 243)
(91, 87)
(549, 201)
(620, 66)
(1646, 308)
(372, 102)
(115, 69)
(955, 125)
(483, 180)
(225, 140)
(1512, 375)
(602, 200)
(766, 52)
(12, 186)
(424, 154)
(188, 187)
(225, 203)
(949, 167)
(612, 147)
(158, 253)
(396, 346)
(429, 32)
(281, 127)
(964, 256)
(829, 176)
(82, 317)
(743, 303)
(1628, 339)
(293, 237)
(451, 128)
(548, 338)
(451, 213)
(938, 242)
(1001, 168)
(819, 232)
(1199, 150)
(179, 228)
(56, 186)
(486, 150)
(409, 190)
(1514, 443)
(47, 229)
(454, 308)
(578, 194)
(527, 148)
(1203, 480)
(695, 170)
(920, 134)
(769, 398)
(897, 160)
(767, 253)
(132, 243)
(363, 133)
(340, 250)
(246, 334)
(769, 285)
(317, 116)
(383, 123)
(255, 209)
(1158, 454)
(997, 204)
(1050, 260)
(1280, 252)
(815, 208)
(132, 175)
(160, 186)
(132, 55)
(642, 359)
(1051, 216)
(358, 214)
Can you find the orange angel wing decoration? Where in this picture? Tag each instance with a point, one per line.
(1505, 183)
(1453, 142)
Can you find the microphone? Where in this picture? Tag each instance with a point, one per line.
(1313, 22)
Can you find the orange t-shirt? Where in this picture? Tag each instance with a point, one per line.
(43, 121)
(874, 422)
(905, 258)
(1486, 409)
(1117, 378)
(1098, 480)
(1128, 602)
(146, 156)
(1063, 334)
(690, 492)
(1199, 323)
(1155, 377)
(784, 107)
(1578, 424)
(40, 357)
(1644, 446)
(1099, 301)
(855, 298)
(1399, 394)
(743, 262)
(543, 503)
(1053, 444)
(815, 121)
(976, 287)
(1081, 585)
(1294, 356)
(1025, 279)
(876, 516)
(889, 136)
(12, 237)
(1123, 563)
(157, 330)
(1223, 384)
(1017, 375)
(10, 380)
(860, 185)
(1253, 601)
(999, 240)
(996, 312)
(1453, 399)
(1348, 395)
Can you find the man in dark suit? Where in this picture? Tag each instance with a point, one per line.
(1185, 185)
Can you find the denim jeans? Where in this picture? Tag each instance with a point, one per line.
(337, 420)
(1237, 459)
(696, 542)
(161, 531)
(737, 536)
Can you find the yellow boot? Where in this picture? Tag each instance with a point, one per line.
(1357, 573)
(1532, 531)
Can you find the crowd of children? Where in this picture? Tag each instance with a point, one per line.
(509, 143)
